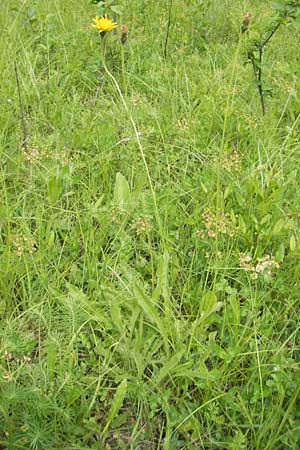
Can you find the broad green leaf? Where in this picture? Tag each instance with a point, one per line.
(147, 306)
(278, 227)
(235, 305)
(162, 288)
(118, 399)
(75, 293)
(266, 219)
(170, 365)
(115, 312)
(209, 304)
(117, 9)
(203, 187)
(280, 253)
(200, 372)
(116, 403)
(293, 243)
(227, 192)
(122, 194)
(54, 189)
(242, 225)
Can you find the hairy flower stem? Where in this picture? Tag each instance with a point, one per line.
(123, 71)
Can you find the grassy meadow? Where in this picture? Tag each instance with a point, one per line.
(149, 214)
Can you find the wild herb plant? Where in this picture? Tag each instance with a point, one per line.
(149, 271)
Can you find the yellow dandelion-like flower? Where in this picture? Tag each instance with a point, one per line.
(103, 24)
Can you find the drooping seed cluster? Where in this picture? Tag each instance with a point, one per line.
(232, 162)
(119, 215)
(182, 123)
(7, 356)
(32, 154)
(35, 154)
(142, 225)
(61, 156)
(136, 99)
(23, 244)
(7, 360)
(215, 223)
(264, 265)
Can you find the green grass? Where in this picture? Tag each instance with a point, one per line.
(130, 317)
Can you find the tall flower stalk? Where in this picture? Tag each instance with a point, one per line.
(103, 27)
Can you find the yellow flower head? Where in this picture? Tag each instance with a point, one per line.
(103, 24)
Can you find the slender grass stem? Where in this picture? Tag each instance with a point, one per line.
(22, 115)
(168, 29)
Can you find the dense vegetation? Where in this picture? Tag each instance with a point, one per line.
(149, 222)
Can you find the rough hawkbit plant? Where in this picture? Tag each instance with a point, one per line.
(284, 12)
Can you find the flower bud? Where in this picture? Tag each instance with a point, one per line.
(246, 22)
(124, 33)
